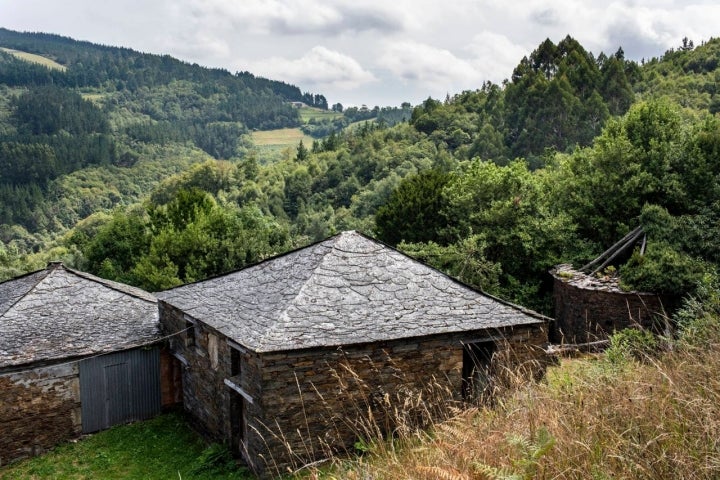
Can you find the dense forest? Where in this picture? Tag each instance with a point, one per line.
(140, 168)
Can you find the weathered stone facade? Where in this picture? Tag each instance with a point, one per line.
(299, 355)
(204, 392)
(324, 400)
(296, 406)
(588, 309)
(39, 409)
(49, 321)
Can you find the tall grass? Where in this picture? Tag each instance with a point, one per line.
(633, 414)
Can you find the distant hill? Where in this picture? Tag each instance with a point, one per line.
(68, 106)
(255, 101)
(31, 57)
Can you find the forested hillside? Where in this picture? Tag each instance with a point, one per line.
(494, 186)
(105, 128)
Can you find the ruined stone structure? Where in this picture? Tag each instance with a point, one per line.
(589, 308)
(284, 359)
(51, 321)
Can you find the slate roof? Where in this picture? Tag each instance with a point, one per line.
(60, 313)
(344, 290)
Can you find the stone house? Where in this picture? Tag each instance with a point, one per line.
(77, 354)
(292, 357)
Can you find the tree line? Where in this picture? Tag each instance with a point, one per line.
(469, 185)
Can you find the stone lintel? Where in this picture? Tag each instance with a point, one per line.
(238, 389)
(492, 338)
(237, 346)
(180, 358)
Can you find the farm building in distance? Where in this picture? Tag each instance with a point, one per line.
(77, 354)
(282, 357)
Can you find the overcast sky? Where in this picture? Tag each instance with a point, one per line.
(374, 52)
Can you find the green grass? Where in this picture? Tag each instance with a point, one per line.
(307, 113)
(96, 98)
(163, 447)
(31, 57)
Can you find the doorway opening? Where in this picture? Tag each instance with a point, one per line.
(476, 370)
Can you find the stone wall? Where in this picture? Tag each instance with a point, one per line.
(322, 401)
(206, 363)
(590, 313)
(40, 408)
(300, 405)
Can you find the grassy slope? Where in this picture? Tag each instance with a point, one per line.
(284, 137)
(270, 144)
(597, 418)
(308, 113)
(31, 57)
(164, 447)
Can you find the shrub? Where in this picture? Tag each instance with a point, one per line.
(631, 343)
(662, 270)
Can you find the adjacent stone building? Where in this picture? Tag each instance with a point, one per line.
(76, 356)
(305, 352)
(589, 308)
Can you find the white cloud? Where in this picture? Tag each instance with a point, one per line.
(403, 49)
(644, 30)
(319, 67)
(495, 55)
(433, 67)
(303, 17)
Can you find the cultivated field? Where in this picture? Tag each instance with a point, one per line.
(284, 137)
(307, 113)
(274, 145)
(31, 57)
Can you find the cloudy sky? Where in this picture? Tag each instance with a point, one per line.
(374, 52)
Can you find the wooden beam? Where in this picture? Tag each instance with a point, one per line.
(612, 249)
(620, 250)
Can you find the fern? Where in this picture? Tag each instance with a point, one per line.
(442, 473)
(530, 452)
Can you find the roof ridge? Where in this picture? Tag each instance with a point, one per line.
(113, 285)
(27, 292)
(255, 264)
(284, 312)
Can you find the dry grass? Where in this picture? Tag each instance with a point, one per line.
(590, 418)
(283, 137)
(31, 57)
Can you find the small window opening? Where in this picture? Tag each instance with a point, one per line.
(235, 362)
(189, 333)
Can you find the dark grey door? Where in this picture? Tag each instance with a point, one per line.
(119, 387)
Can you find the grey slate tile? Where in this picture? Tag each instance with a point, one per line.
(60, 313)
(347, 289)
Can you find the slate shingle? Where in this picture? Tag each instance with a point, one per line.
(59, 313)
(345, 290)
